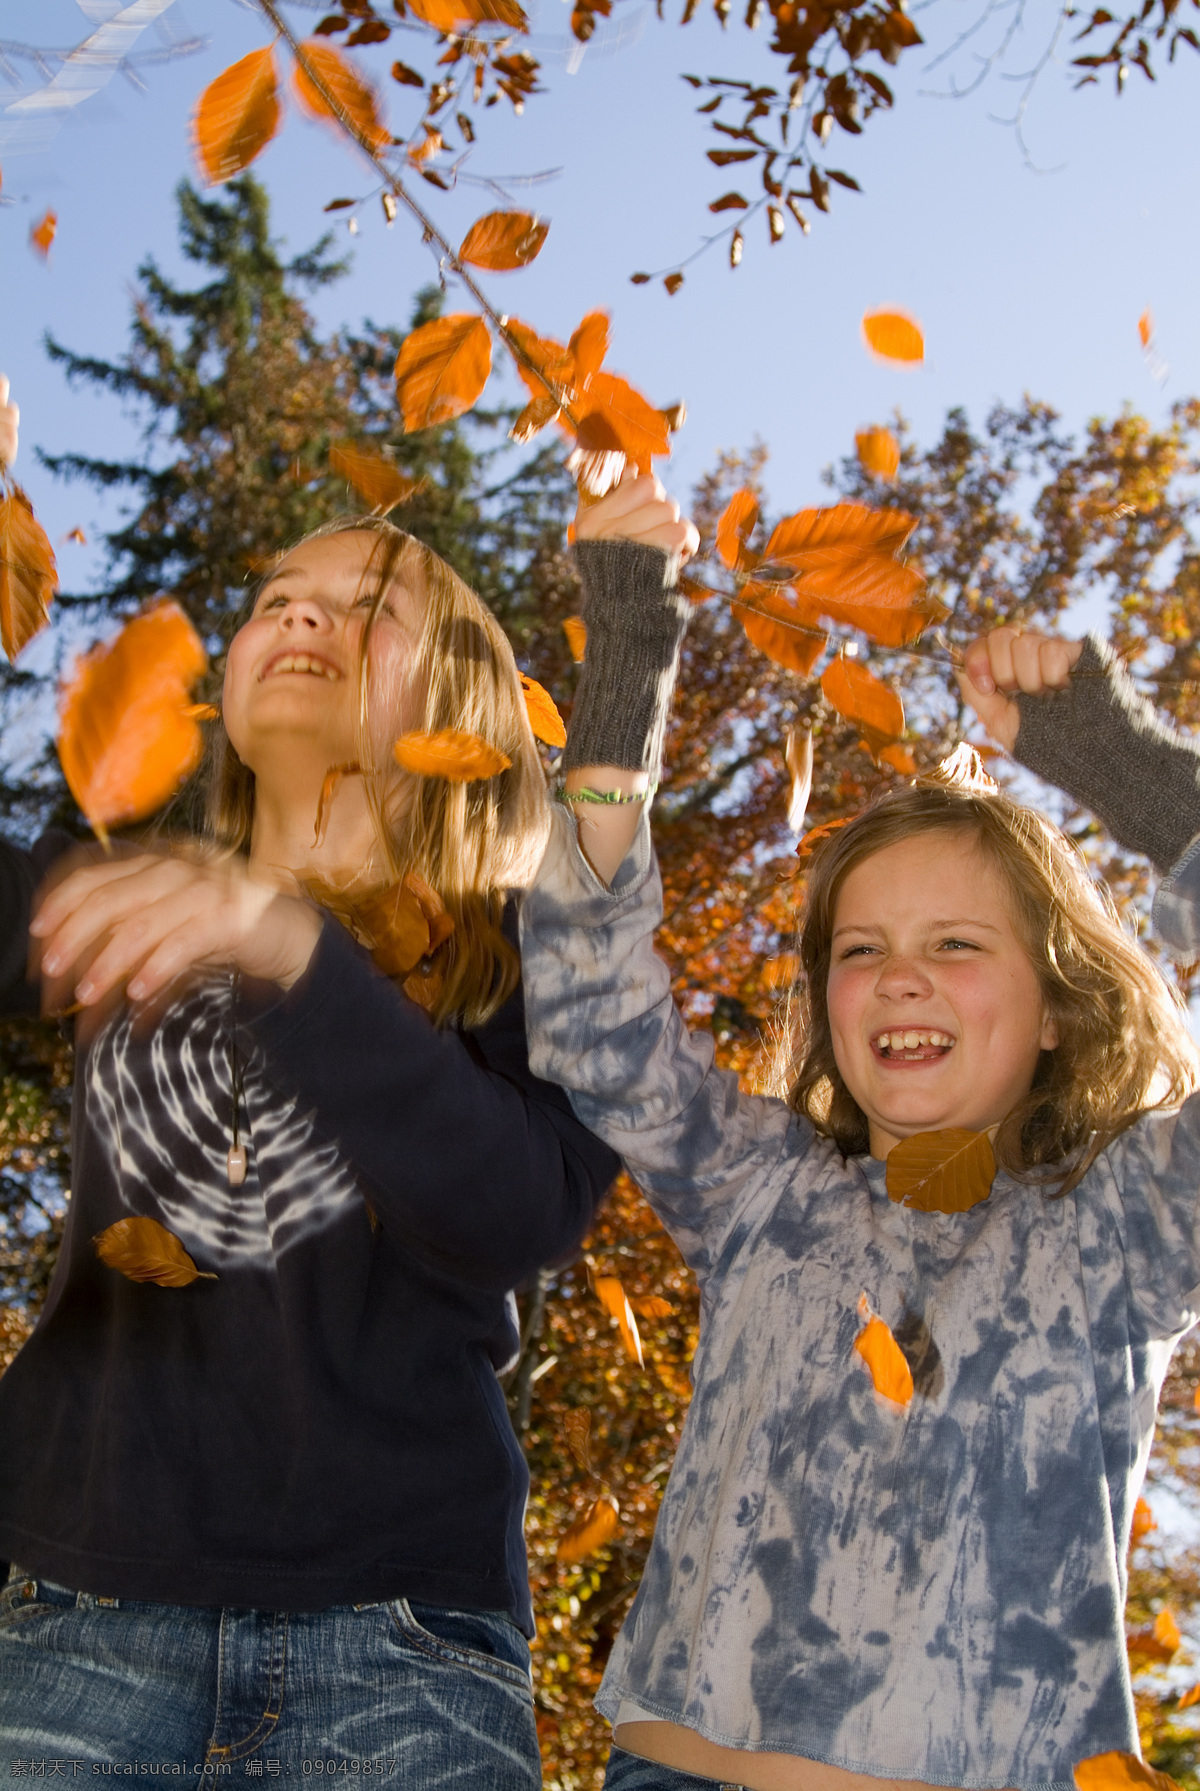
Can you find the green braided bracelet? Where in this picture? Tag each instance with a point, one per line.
(607, 796)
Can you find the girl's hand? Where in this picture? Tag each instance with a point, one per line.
(638, 509)
(1005, 661)
(148, 921)
(10, 416)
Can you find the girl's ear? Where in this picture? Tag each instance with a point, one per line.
(1049, 1038)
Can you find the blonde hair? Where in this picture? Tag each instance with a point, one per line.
(471, 842)
(1122, 1046)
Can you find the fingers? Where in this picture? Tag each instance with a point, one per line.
(10, 416)
(1008, 660)
(639, 510)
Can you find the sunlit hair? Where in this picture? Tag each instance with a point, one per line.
(1122, 1048)
(472, 842)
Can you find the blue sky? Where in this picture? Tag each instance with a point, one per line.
(1023, 280)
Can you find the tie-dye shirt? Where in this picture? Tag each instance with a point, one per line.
(933, 1592)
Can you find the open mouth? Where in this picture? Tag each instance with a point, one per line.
(912, 1045)
(303, 663)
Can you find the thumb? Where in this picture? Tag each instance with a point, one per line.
(998, 713)
(3, 389)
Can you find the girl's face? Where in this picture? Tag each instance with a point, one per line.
(292, 669)
(935, 1008)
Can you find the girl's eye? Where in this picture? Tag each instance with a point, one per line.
(385, 609)
(858, 951)
(959, 945)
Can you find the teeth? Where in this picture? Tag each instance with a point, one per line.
(300, 662)
(911, 1040)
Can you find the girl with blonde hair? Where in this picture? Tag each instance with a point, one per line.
(260, 1493)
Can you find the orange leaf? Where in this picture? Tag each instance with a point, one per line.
(126, 739)
(442, 368)
(544, 719)
(798, 757)
(537, 413)
(547, 355)
(890, 627)
(652, 1306)
(735, 527)
(354, 100)
(375, 478)
(236, 116)
(333, 778)
(858, 694)
(878, 452)
(451, 15)
(1190, 1697)
(894, 336)
(611, 1296)
(1166, 1630)
(639, 429)
(578, 1426)
(1146, 329)
(144, 1250)
(590, 1532)
(900, 759)
(396, 927)
(1121, 1772)
(1143, 1521)
(890, 1372)
(503, 240)
(795, 645)
(28, 574)
(459, 757)
(42, 234)
(813, 539)
(941, 1172)
(77, 536)
(575, 629)
(781, 972)
(588, 347)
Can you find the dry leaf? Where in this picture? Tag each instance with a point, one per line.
(548, 356)
(1121, 1772)
(782, 627)
(798, 757)
(202, 711)
(333, 778)
(236, 116)
(144, 1250)
(382, 484)
(1190, 1697)
(43, 232)
(652, 1306)
(863, 699)
(1143, 1521)
(889, 1368)
(899, 758)
(126, 740)
(578, 1426)
(611, 1296)
(1146, 329)
(503, 240)
(28, 574)
(536, 415)
(575, 629)
(941, 1172)
(442, 368)
(878, 453)
(354, 99)
(451, 15)
(893, 336)
(781, 972)
(813, 539)
(544, 719)
(77, 536)
(459, 757)
(590, 1532)
(640, 431)
(1166, 1630)
(737, 524)
(588, 347)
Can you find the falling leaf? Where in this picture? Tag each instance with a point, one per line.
(1143, 1522)
(375, 478)
(353, 98)
(1166, 1630)
(459, 757)
(893, 336)
(588, 347)
(28, 574)
(451, 15)
(796, 644)
(672, 283)
(536, 415)
(652, 1306)
(735, 527)
(1146, 329)
(236, 116)
(77, 536)
(202, 711)
(333, 778)
(878, 452)
(42, 234)
(144, 1250)
(578, 1426)
(941, 1172)
(781, 972)
(1190, 1697)
(503, 240)
(590, 1532)
(798, 757)
(126, 740)
(442, 368)
(575, 629)
(889, 1368)
(544, 719)
(611, 1296)
(1121, 1772)
(900, 759)
(863, 699)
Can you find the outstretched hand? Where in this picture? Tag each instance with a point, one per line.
(1008, 660)
(10, 416)
(638, 509)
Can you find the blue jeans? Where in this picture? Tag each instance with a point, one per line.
(430, 1699)
(629, 1772)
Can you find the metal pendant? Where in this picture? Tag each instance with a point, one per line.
(235, 1165)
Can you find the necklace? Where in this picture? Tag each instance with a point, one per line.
(235, 1158)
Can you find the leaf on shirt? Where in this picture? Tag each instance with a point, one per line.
(1143, 1521)
(144, 1250)
(401, 924)
(575, 629)
(941, 1172)
(544, 719)
(1120, 1772)
(28, 574)
(611, 1296)
(459, 757)
(578, 1427)
(890, 1372)
(597, 1526)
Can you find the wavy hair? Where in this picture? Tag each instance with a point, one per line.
(1123, 1047)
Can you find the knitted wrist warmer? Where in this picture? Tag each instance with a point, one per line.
(635, 622)
(1102, 743)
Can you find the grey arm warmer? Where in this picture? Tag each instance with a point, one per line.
(1103, 743)
(635, 622)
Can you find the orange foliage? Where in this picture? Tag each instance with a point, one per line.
(503, 240)
(442, 368)
(893, 336)
(144, 1250)
(863, 699)
(236, 116)
(43, 233)
(878, 452)
(890, 1372)
(611, 1296)
(459, 757)
(544, 719)
(28, 574)
(382, 484)
(941, 1172)
(597, 1526)
(354, 102)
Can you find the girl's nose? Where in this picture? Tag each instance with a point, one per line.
(304, 614)
(900, 976)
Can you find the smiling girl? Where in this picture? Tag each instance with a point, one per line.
(846, 1587)
(275, 1512)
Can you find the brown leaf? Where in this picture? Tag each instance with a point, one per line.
(537, 413)
(544, 719)
(459, 757)
(893, 336)
(889, 1369)
(451, 15)
(941, 1172)
(395, 928)
(652, 1306)
(737, 524)
(407, 77)
(798, 757)
(126, 740)
(575, 629)
(373, 477)
(354, 99)
(236, 116)
(28, 574)
(878, 453)
(43, 232)
(863, 699)
(503, 240)
(442, 368)
(578, 1425)
(144, 1250)
(591, 1531)
(611, 1296)
(796, 644)
(1121, 1772)
(729, 202)
(77, 536)
(673, 282)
